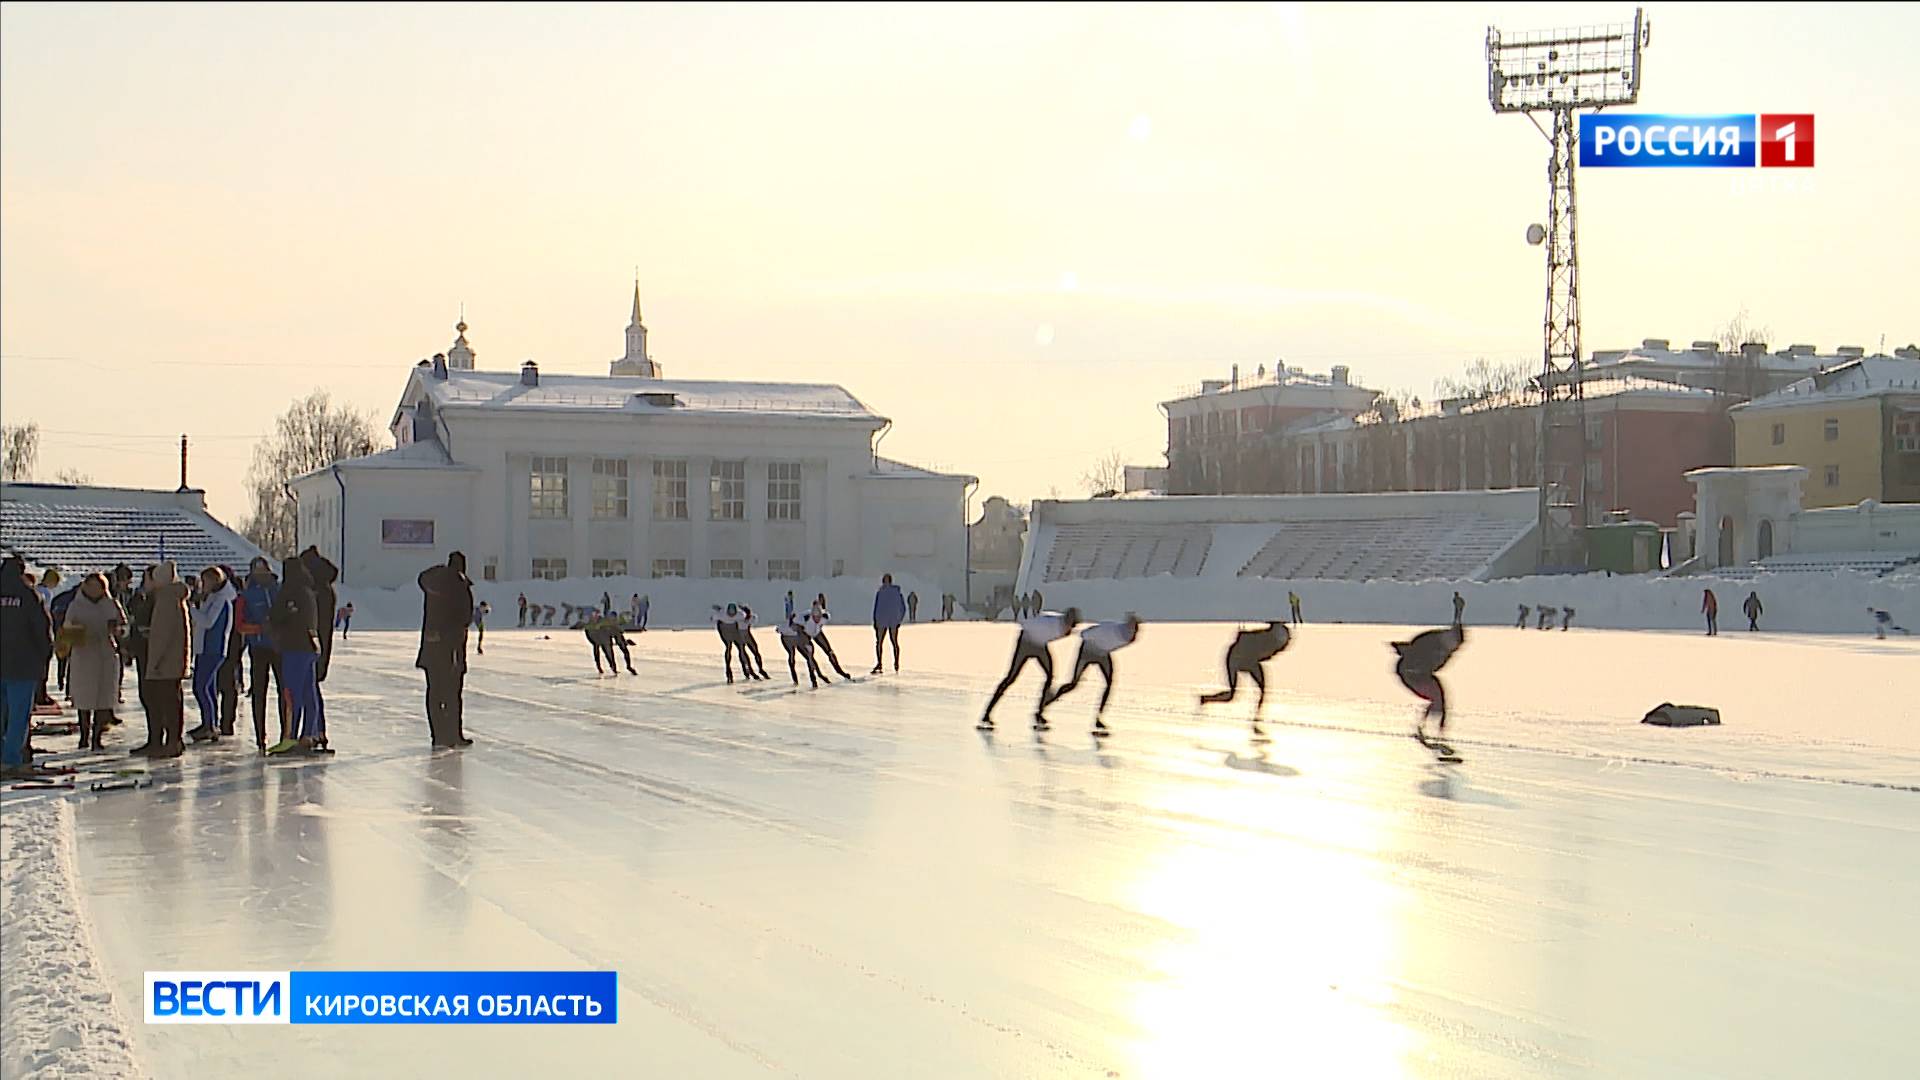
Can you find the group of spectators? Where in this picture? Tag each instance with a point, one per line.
(200, 632)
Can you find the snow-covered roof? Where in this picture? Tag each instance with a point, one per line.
(618, 393)
(1866, 377)
(425, 454)
(1707, 355)
(83, 529)
(887, 467)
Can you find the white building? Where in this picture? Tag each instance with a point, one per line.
(537, 475)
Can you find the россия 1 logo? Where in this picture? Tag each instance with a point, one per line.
(1665, 141)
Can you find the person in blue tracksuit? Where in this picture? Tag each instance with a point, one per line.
(889, 611)
(212, 620)
(256, 602)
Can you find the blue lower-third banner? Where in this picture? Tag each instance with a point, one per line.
(382, 997)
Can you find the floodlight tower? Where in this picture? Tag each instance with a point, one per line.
(1561, 72)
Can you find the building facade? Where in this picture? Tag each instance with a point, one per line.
(1854, 427)
(536, 475)
(1652, 414)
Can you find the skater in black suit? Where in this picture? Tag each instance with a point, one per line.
(1419, 665)
(1248, 655)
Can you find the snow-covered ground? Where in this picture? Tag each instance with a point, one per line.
(852, 882)
(1834, 602)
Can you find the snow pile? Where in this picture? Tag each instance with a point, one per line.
(1819, 603)
(675, 602)
(61, 1017)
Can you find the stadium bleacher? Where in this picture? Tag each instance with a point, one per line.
(1415, 548)
(59, 531)
(1108, 551)
(1428, 537)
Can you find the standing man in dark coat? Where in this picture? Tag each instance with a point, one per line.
(322, 573)
(446, 612)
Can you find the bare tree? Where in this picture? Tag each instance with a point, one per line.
(19, 450)
(1741, 330)
(1107, 474)
(312, 434)
(1484, 379)
(73, 476)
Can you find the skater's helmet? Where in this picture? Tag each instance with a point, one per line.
(733, 609)
(1072, 616)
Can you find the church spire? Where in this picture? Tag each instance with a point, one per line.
(636, 362)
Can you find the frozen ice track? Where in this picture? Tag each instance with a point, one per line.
(852, 882)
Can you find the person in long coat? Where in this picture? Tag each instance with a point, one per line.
(93, 624)
(168, 653)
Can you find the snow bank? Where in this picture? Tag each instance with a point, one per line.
(676, 602)
(61, 1017)
(1834, 602)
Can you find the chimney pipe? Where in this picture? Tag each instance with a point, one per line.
(183, 463)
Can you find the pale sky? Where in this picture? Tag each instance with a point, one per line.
(1013, 230)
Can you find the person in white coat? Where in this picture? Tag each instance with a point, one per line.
(212, 621)
(1098, 643)
(1036, 633)
(815, 624)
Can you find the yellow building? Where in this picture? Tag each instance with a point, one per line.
(1854, 427)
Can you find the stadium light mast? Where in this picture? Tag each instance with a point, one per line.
(1561, 72)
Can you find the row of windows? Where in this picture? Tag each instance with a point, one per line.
(734, 569)
(1830, 430)
(726, 489)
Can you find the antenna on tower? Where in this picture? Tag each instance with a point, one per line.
(1562, 72)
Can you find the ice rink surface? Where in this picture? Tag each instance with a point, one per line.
(853, 882)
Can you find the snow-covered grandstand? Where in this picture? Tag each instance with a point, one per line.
(1415, 536)
(78, 530)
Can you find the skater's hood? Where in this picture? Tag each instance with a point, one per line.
(294, 573)
(319, 568)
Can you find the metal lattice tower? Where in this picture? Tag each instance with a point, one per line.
(1561, 72)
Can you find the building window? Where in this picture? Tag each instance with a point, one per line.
(670, 494)
(1906, 433)
(1833, 476)
(664, 568)
(732, 569)
(610, 488)
(609, 568)
(727, 486)
(1779, 434)
(1596, 476)
(1596, 434)
(549, 487)
(549, 569)
(1833, 430)
(839, 568)
(783, 569)
(783, 491)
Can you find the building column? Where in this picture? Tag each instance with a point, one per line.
(580, 513)
(1319, 464)
(639, 515)
(813, 509)
(756, 518)
(699, 511)
(519, 503)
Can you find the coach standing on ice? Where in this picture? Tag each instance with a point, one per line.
(446, 611)
(889, 611)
